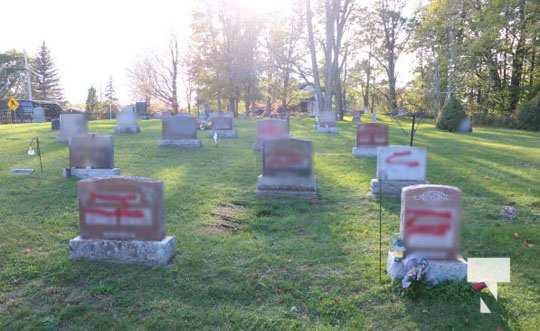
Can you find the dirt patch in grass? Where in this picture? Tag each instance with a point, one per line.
(227, 218)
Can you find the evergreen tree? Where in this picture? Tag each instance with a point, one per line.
(110, 97)
(45, 78)
(92, 103)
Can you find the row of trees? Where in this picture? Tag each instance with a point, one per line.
(44, 76)
(484, 53)
(102, 105)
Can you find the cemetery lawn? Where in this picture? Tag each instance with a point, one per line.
(244, 262)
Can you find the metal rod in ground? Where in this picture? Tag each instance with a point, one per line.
(380, 228)
(39, 154)
(412, 128)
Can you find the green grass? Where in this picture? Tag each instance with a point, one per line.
(284, 263)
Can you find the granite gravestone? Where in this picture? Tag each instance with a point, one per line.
(356, 117)
(373, 117)
(271, 129)
(465, 126)
(179, 131)
(369, 137)
(122, 220)
(397, 167)
(223, 126)
(127, 121)
(91, 155)
(72, 124)
(326, 122)
(287, 168)
(38, 115)
(430, 223)
(55, 124)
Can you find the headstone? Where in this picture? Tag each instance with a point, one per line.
(122, 220)
(356, 117)
(38, 115)
(287, 168)
(430, 228)
(127, 121)
(369, 137)
(91, 155)
(270, 130)
(397, 167)
(179, 131)
(55, 124)
(223, 125)
(373, 117)
(72, 124)
(465, 126)
(326, 122)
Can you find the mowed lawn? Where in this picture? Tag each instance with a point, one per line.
(245, 262)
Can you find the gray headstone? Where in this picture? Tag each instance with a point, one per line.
(72, 124)
(179, 127)
(38, 115)
(91, 151)
(287, 157)
(271, 129)
(222, 123)
(127, 121)
(465, 126)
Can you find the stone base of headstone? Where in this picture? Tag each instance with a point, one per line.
(151, 253)
(223, 133)
(83, 173)
(21, 172)
(127, 130)
(286, 185)
(187, 143)
(392, 187)
(321, 129)
(437, 272)
(364, 151)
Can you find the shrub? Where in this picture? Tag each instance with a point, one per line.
(528, 116)
(451, 115)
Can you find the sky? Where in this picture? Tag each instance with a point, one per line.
(92, 40)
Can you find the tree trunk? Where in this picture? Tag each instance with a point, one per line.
(517, 62)
(313, 53)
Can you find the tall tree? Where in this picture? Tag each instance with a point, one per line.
(92, 103)
(11, 73)
(158, 76)
(395, 30)
(45, 77)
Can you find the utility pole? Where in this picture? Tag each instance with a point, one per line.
(28, 77)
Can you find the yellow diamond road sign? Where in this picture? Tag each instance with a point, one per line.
(13, 104)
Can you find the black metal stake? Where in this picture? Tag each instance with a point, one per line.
(39, 154)
(380, 228)
(412, 128)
